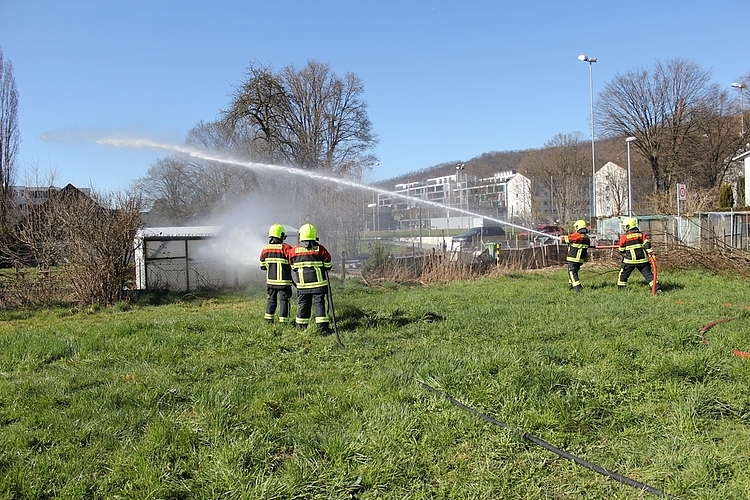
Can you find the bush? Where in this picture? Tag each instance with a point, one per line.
(379, 257)
(726, 196)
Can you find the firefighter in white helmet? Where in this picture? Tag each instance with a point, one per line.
(578, 245)
(635, 248)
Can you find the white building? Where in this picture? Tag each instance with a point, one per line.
(517, 195)
(745, 157)
(611, 183)
(504, 196)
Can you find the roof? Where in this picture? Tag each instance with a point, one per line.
(176, 232)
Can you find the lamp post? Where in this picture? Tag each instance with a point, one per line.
(375, 202)
(460, 167)
(741, 87)
(630, 187)
(591, 61)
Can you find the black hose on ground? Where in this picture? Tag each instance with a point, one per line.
(612, 475)
(333, 315)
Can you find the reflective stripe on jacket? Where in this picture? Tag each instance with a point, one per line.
(578, 246)
(310, 265)
(635, 247)
(274, 259)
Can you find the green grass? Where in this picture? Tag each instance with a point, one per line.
(200, 399)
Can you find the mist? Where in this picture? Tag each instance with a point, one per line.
(244, 230)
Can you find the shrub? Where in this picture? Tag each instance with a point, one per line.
(726, 196)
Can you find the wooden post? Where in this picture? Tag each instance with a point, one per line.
(343, 266)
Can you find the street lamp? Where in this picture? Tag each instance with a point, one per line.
(741, 87)
(460, 167)
(375, 202)
(591, 61)
(630, 188)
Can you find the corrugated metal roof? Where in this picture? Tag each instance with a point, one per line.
(195, 231)
(175, 231)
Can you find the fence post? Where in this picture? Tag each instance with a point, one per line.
(343, 266)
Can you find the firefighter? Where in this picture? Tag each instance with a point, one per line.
(578, 245)
(311, 262)
(635, 249)
(274, 259)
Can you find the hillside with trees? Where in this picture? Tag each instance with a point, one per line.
(684, 127)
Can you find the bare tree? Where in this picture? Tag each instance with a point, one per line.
(715, 140)
(97, 236)
(9, 135)
(170, 190)
(183, 189)
(219, 184)
(661, 107)
(32, 235)
(560, 170)
(309, 118)
(69, 245)
(742, 84)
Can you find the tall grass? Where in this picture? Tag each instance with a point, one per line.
(198, 398)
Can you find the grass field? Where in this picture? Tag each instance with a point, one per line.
(197, 398)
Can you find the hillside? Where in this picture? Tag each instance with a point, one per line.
(487, 164)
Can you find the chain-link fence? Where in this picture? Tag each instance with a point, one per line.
(184, 260)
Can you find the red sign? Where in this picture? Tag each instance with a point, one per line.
(681, 192)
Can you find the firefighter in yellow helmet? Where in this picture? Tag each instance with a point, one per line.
(310, 263)
(635, 248)
(274, 259)
(578, 245)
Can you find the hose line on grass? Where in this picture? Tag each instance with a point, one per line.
(706, 328)
(612, 475)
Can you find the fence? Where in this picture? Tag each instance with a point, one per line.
(705, 231)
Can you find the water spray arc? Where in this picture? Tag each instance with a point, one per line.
(208, 156)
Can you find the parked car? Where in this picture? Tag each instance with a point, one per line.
(547, 229)
(476, 234)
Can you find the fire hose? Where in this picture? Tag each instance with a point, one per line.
(528, 437)
(706, 328)
(333, 314)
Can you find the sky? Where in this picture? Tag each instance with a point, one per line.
(445, 80)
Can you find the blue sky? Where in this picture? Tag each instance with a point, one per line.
(444, 80)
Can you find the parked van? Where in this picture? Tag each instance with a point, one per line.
(478, 235)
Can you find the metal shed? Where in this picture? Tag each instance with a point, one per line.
(183, 259)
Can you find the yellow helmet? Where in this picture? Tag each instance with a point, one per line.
(580, 224)
(276, 231)
(308, 233)
(629, 223)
